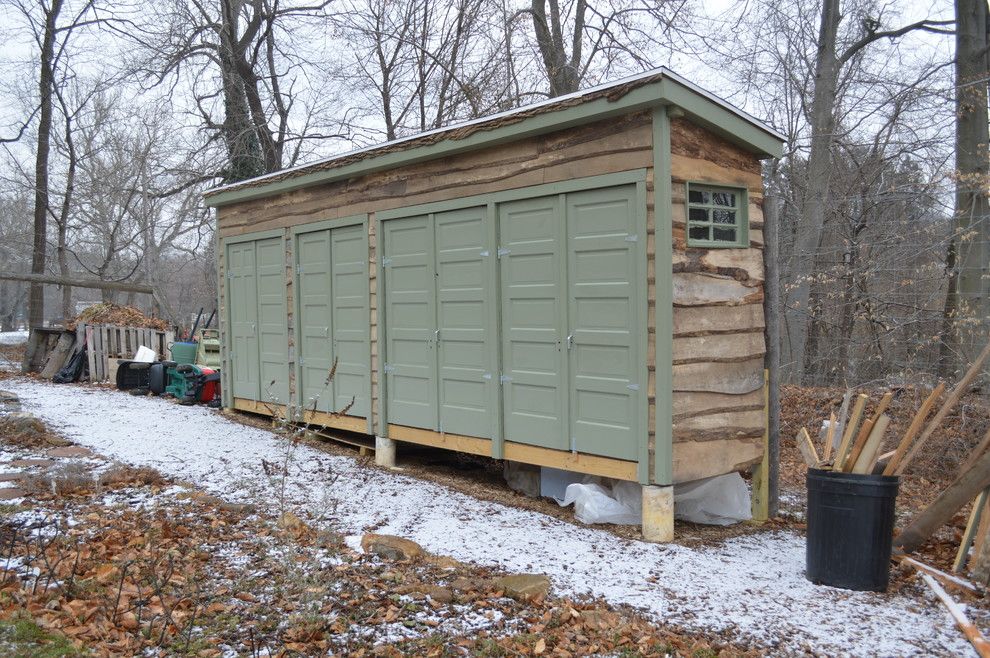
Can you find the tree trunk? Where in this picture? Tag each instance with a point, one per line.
(967, 306)
(244, 156)
(809, 238)
(562, 71)
(46, 86)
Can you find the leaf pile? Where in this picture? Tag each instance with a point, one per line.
(116, 314)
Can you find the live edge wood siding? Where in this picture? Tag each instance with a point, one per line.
(717, 315)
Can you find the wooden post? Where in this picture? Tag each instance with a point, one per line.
(90, 352)
(760, 492)
(772, 313)
(974, 523)
(962, 490)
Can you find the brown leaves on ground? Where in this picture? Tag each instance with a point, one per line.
(192, 575)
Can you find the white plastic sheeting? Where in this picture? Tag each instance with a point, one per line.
(720, 500)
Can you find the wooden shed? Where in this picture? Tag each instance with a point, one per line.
(576, 283)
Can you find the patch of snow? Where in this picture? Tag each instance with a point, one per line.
(752, 586)
(13, 337)
(353, 542)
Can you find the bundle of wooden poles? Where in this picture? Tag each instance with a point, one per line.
(851, 447)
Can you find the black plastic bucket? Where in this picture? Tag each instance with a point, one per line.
(850, 529)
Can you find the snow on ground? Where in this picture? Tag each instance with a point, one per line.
(753, 586)
(13, 337)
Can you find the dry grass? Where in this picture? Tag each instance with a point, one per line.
(79, 479)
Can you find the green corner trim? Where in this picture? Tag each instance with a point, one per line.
(663, 454)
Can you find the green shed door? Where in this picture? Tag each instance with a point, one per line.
(273, 334)
(243, 313)
(410, 321)
(603, 322)
(315, 349)
(464, 291)
(531, 234)
(350, 328)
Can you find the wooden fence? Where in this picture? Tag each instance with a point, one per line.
(105, 342)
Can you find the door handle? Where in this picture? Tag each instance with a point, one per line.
(570, 341)
(436, 336)
(326, 332)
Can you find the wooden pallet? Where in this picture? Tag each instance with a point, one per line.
(105, 342)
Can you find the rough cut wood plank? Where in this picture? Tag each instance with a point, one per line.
(737, 378)
(58, 356)
(719, 347)
(696, 289)
(847, 437)
(692, 403)
(694, 460)
(735, 261)
(807, 448)
(867, 456)
(701, 320)
(723, 425)
(683, 168)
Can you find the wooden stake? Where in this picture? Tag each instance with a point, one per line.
(969, 534)
(915, 427)
(871, 447)
(946, 579)
(977, 452)
(807, 448)
(965, 625)
(843, 414)
(829, 439)
(843, 451)
(950, 402)
(865, 430)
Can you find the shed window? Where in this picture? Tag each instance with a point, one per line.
(716, 216)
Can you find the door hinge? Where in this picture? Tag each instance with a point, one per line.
(502, 251)
(230, 274)
(632, 237)
(633, 387)
(504, 378)
(302, 360)
(387, 368)
(299, 269)
(485, 253)
(487, 375)
(386, 261)
(574, 445)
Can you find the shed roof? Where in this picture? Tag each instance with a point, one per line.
(652, 88)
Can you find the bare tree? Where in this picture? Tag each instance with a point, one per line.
(967, 304)
(830, 59)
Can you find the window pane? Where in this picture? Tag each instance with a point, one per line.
(725, 234)
(699, 233)
(699, 196)
(698, 215)
(724, 199)
(724, 216)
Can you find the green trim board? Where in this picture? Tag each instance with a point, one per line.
(323, 224)
(546, 189)
(663, 453)
(251, 237)
(669, 89)
(741, 208)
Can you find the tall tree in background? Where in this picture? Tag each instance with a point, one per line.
(967, 305)
(822, 117)
(576, 39)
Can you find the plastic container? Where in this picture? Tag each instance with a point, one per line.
(184, 352)
(850, 529)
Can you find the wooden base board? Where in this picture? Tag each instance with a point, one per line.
(349, 423)
(519, 452)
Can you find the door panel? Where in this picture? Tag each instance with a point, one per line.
(273, 334)
(315, 319)
(603, 319)
(350, 326)
(242, 288)
(532, 322)
(410, 321)
(464, 347)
